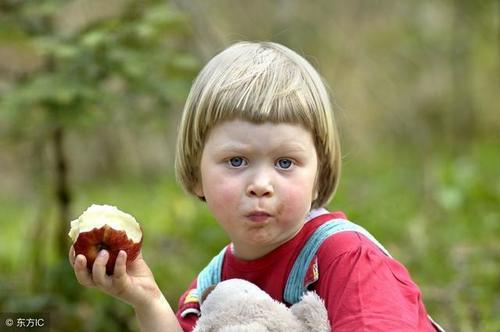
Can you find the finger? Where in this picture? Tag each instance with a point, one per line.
(120, 277)
(82, 274)
(71, 256)
(99, 270)
(120, 265)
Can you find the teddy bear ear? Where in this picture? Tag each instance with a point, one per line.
(207, 292)
(312, 312)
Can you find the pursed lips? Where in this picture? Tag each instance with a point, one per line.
(258, 216)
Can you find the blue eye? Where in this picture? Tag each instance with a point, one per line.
(236, 162)
(284, 163)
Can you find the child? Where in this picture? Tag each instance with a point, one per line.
(258, 142)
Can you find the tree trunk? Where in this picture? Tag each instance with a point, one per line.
(37, 234)
(62, 191)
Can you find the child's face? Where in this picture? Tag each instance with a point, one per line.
(258, 181)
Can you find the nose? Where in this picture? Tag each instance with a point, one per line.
(260, 185)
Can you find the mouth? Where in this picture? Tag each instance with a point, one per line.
(258, 216)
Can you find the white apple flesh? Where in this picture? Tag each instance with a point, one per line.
(106, 227)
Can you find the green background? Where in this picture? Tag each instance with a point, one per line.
(90, 98)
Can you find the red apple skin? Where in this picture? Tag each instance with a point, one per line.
(90, 243)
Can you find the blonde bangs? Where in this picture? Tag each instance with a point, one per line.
(264, 87)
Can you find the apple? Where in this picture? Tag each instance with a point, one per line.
(105, 227)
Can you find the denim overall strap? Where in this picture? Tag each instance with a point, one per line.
(295, 288)
(211, 274)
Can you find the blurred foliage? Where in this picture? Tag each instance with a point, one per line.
(416, 93)
(130, 59)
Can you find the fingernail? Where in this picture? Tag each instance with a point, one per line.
(103, 253)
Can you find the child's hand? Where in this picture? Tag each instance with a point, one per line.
(133, 284)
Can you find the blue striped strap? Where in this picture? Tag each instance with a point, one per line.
(295, 288)
(211, 274)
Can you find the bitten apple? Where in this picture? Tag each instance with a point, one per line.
(106, 227)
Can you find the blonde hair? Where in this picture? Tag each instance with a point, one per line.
(259, 82)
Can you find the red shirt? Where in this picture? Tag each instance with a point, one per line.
(363, 289)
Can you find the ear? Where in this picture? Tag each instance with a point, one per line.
(315, 194)
(311, 311)
(198, 190)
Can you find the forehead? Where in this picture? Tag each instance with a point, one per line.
(246, 135)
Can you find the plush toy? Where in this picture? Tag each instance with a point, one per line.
(236, 305)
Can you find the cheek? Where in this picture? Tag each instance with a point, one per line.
(297, 199)
(221, 193)
(302, 190)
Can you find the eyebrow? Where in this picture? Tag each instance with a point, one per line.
(292, 146)
(282, 147)
(229, 147)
